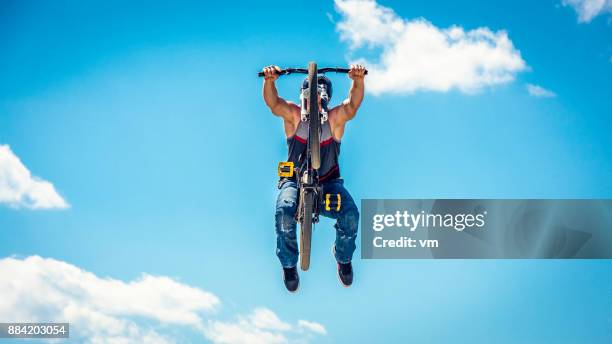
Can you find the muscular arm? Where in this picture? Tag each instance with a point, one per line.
(289, 112)
(348, 109)
(277, 105)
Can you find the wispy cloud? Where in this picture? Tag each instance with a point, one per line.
(262, 326)
(19, 188)
(266, 319)
(539, 91)
(312, 326)
(249, 329)
(589, 9)
(103, 310)
(416, 55)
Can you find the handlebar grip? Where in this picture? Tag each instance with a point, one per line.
(346, 70)
(337, 70)
(281, 72)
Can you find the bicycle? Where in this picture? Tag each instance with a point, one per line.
(309, 189)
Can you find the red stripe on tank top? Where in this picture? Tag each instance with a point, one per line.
(326, 175)
(326, 142)
(323, 143)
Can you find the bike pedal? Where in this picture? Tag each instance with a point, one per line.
(333, 202)
(285, 169)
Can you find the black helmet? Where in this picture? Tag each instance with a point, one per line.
(322, 80)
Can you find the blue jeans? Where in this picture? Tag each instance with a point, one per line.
(347, 221)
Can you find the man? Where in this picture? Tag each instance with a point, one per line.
(296, 131)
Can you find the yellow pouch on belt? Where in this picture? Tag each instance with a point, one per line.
(285, 169)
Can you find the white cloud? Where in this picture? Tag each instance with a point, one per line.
(106, 310)
(538, 91)
(416, 55)
(262, 326)
(589, 9)
(99, 308)
(242, 331)
(18, 188)
(266, 319)
(312, 326)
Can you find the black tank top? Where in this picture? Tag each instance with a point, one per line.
(330, 150)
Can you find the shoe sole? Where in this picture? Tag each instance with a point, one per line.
(296, 289)
(342, 283)
(338, 268)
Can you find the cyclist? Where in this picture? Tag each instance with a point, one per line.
(296, 131)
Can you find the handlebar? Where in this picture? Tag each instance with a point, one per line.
(288, 71)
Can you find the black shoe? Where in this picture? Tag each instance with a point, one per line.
(345, 273)
(291, 279)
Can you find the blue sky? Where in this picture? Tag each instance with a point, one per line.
(148, 120)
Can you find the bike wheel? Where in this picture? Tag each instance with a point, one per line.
(315, 122)
(306, 228)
